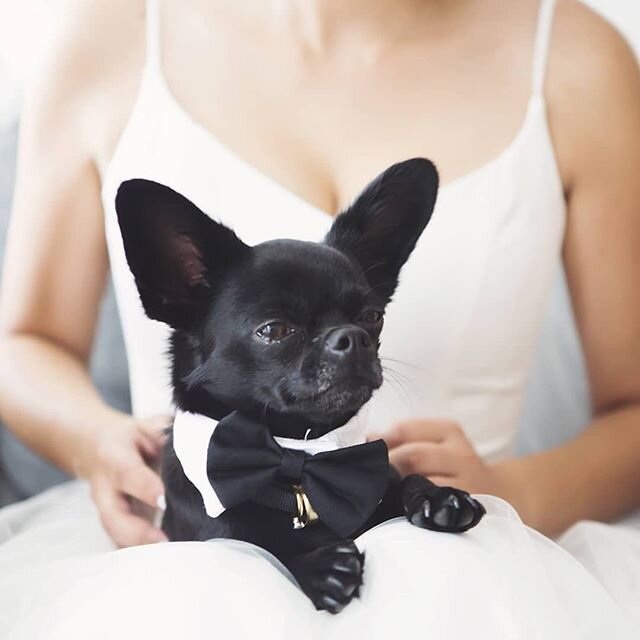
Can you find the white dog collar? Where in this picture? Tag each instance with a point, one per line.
(192, 433)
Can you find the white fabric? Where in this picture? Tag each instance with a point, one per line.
(500, 581)
(457, 343)
(192, 433)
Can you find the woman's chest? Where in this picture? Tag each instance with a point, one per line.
(320, 125)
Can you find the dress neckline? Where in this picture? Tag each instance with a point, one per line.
(534, 104)
(153, 78)
(152, 75)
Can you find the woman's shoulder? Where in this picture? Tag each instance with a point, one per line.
(584, 38)
(593, 83)
(588, 54)
(91, 67)
(97, 33)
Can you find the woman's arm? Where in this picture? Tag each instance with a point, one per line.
(53, 279)
(596, 112)
(594, 95)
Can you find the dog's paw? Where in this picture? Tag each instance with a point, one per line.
(446, 509)
(331, 576)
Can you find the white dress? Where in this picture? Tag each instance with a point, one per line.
(460, 333)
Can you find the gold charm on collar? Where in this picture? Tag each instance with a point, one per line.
(306, 513)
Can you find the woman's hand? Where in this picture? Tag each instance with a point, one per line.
(440, 451)
(119, 467)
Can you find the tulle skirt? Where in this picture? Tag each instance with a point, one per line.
(61, 579)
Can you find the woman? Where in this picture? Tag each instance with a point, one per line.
(533, 118)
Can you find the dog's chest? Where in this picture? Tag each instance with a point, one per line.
(267, 528)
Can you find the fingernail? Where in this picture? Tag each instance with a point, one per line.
(161, 502)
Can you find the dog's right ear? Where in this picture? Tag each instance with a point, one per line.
(381, 228)
(175, 251)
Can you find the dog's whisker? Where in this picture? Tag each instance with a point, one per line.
(403, 362)
(397, 374)
(398, 390)
(391, 380)
(399, 386)
(370, 268)
(407, 379)
(408, 384)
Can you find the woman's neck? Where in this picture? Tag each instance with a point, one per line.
(326, 26)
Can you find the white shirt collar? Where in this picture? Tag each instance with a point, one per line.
(192, 433)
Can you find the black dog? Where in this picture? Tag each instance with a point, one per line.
(283, 338)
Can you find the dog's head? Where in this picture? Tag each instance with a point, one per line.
(285, 329)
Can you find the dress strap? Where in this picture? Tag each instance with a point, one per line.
(541, 48)
(153, 32)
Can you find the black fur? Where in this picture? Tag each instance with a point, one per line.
(323, 303)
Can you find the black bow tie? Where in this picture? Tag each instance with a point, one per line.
(344, 486)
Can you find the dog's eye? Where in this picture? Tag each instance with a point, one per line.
(371, 316)
(274, 331)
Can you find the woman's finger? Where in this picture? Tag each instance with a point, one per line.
(424, 458)
(152, 436)
(141, 482)
(123, 527)
(421, 430)
(445, 481)
(151, 448)
(155, 427)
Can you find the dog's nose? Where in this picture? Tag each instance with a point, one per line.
(345, 341)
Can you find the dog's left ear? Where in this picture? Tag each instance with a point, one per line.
(176, 252)
(380, 229)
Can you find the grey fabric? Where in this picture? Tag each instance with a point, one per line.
(8, 140)
(557, 400)
(23, 474)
